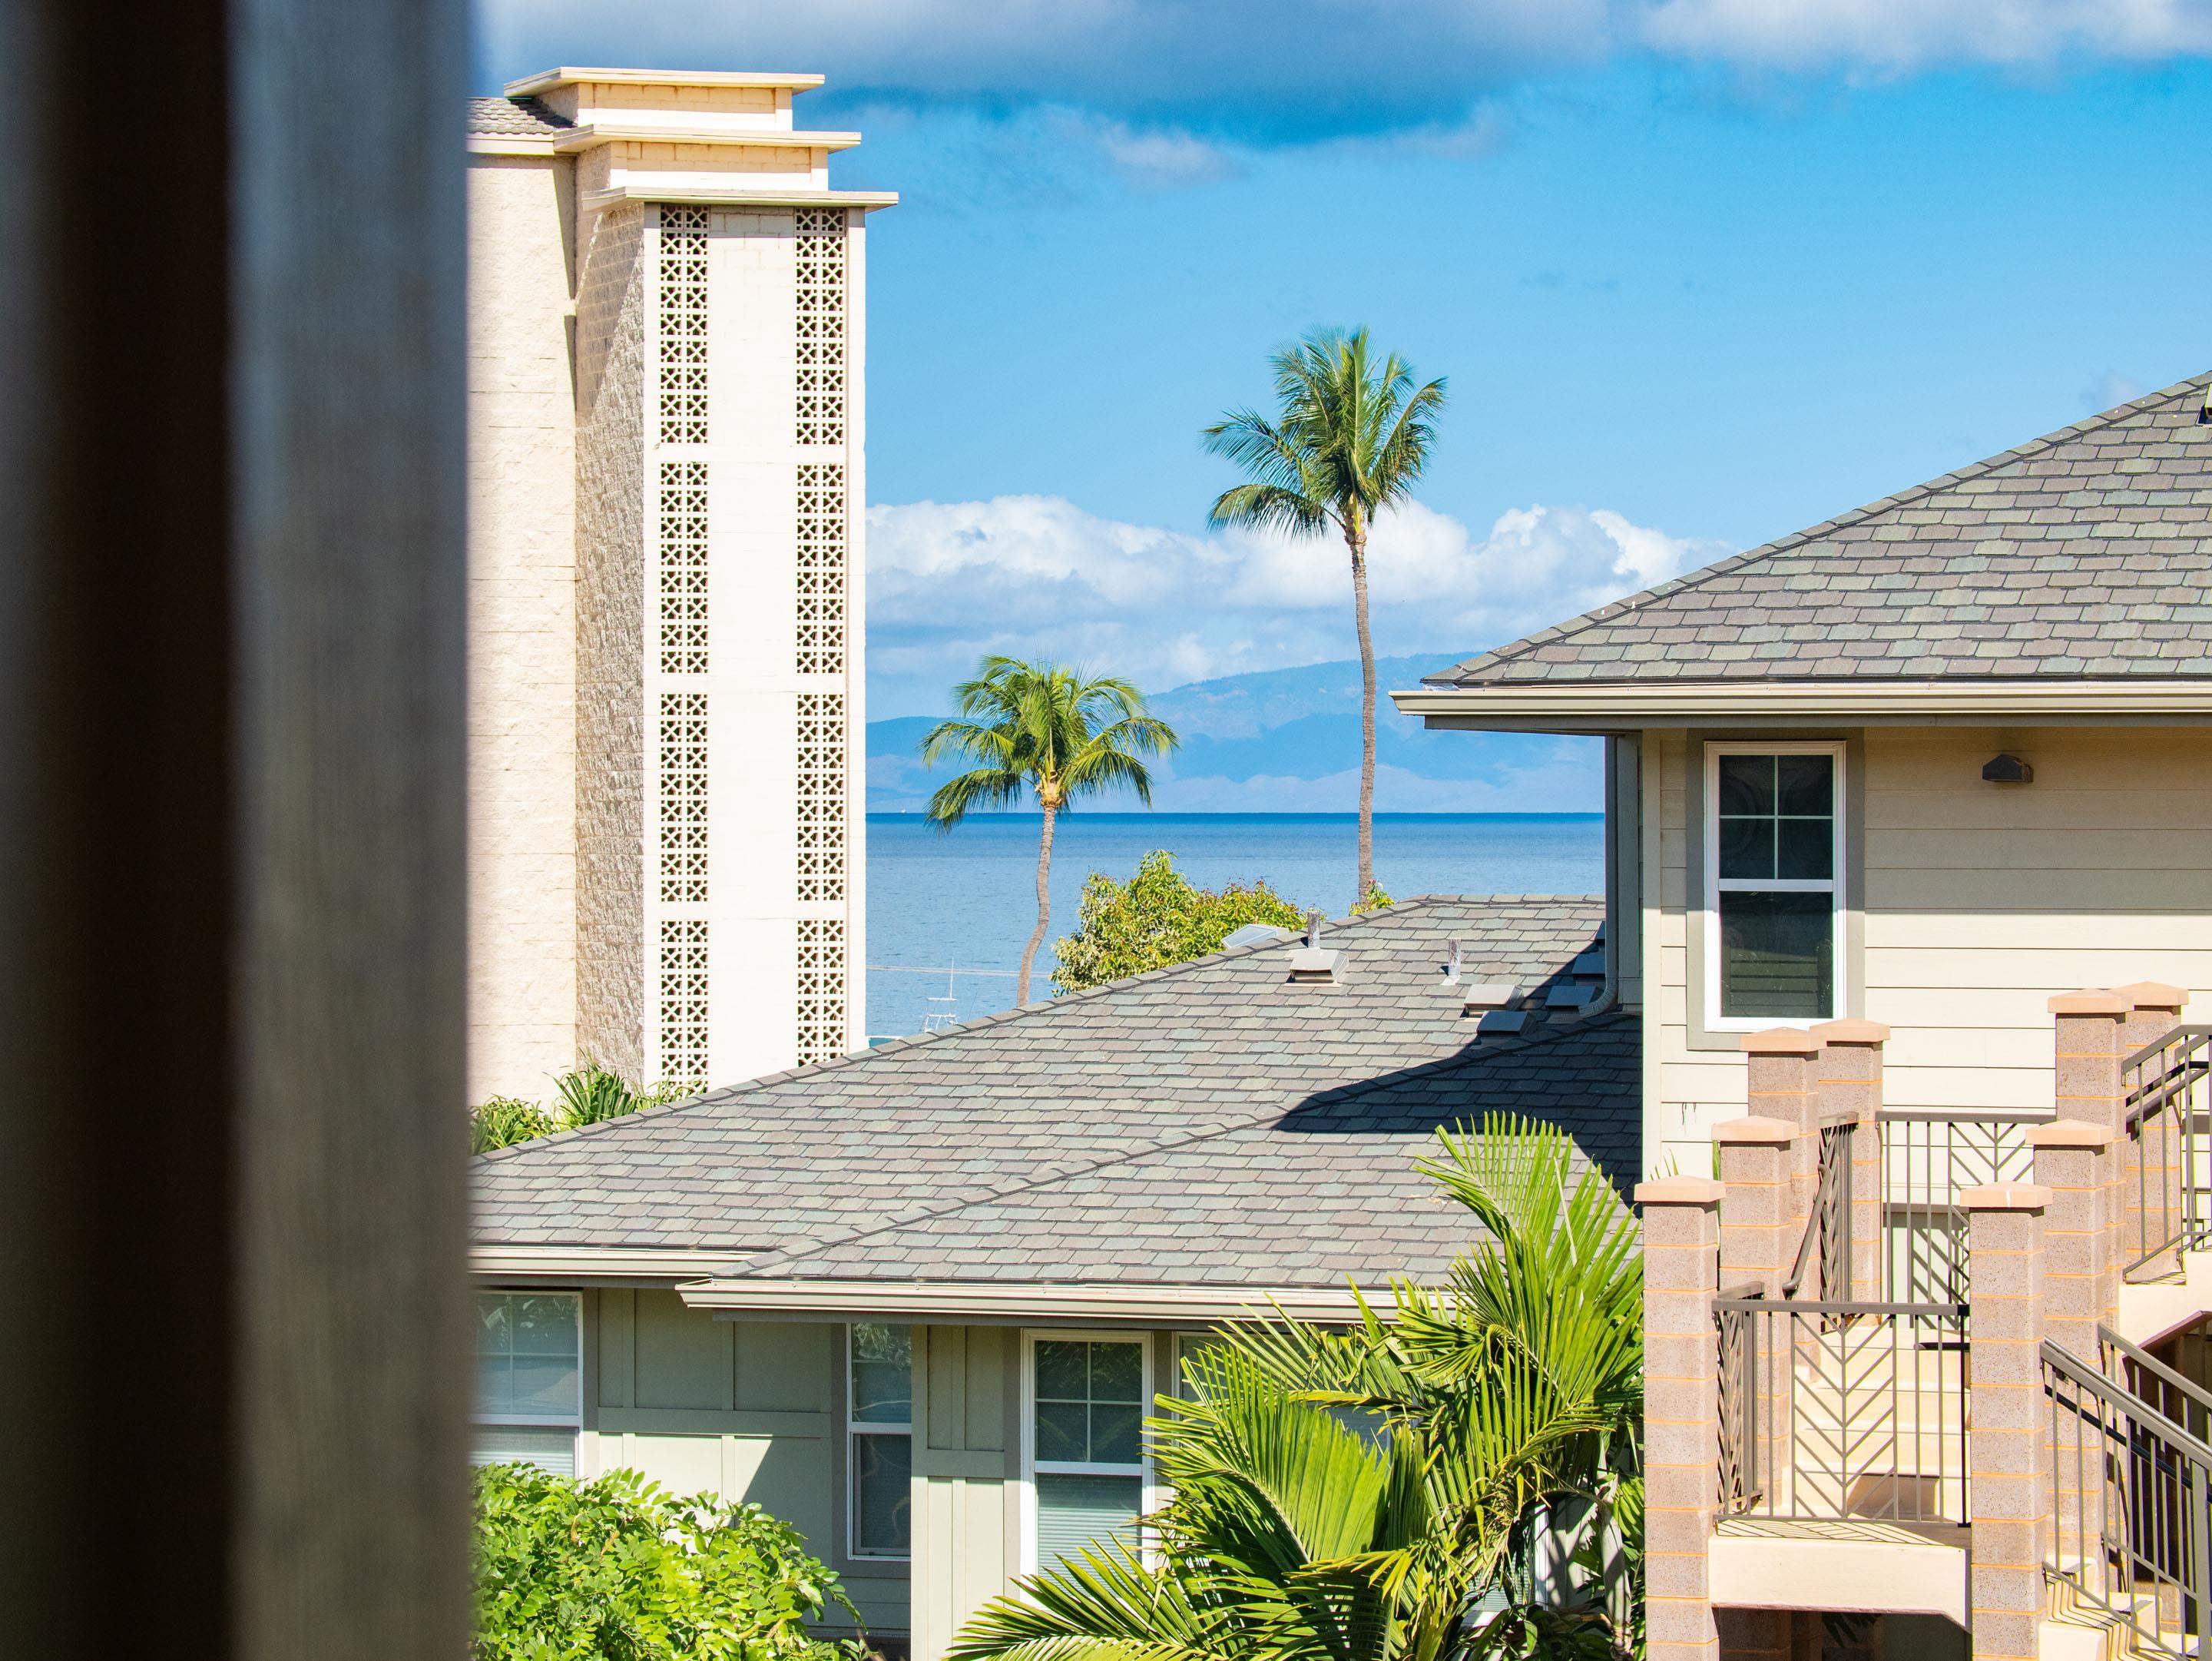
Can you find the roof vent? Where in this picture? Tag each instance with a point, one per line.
(2205, 409)
(1255, 933)
(1314, 964)
(1485, 995)
(1455, 959)
(1501, 1024)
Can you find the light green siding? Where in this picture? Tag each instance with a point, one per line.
(967, 1462)
(746, 1410)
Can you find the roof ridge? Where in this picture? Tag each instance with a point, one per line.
(1465, 1057)
(1612, 609)
(891, 1047)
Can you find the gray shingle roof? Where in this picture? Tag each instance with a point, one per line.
(514, 118)
(2085, 553)
(1209, 1123)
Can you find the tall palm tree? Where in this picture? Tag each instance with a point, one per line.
(1350, 1496)
(1051, 731)
(1351, 436)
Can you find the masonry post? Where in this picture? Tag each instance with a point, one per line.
(1780, 1073)
(2010, 1499)
(1849, 1081)
(1757, 1244)
(1681, 1413)
(2154, 1011)
(2073, 1159)
(2089, 1029)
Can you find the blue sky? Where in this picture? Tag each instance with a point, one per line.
(1700, 272)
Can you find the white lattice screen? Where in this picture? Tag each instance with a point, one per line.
(821, 795)
(683, 325)
(820, 248)
(681, 1002)
(821, 645)
(682, 772)
(683, 586)
(821, 988)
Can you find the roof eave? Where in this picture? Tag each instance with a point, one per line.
(1616, 706)
(548, 80)
(600, 1265)
(1017, 1304)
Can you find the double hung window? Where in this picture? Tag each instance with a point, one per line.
(1774, 864)
(1087, 1401)
(879, 1439)
(529, 1379)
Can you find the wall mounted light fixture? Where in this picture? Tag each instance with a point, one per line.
(2007, 769)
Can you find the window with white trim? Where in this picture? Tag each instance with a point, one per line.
(530, 1402)
(1774, 884)
(1086, 1442)
(879, 1439)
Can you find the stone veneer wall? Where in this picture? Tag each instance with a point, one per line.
(609, 723)
(522, 627)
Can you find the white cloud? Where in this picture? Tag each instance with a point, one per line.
(2109, 388)
(1039, 576)
(1894, 36)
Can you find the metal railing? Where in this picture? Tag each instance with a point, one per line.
(2168, 1084)
(2132, 1533)
(1928, 1158)
(1826, 1241)
(1832, 1410)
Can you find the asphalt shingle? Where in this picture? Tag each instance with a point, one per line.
(514, 118)
(1210, 1123)
(2085, 553)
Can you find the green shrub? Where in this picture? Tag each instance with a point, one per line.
(592, 1094)
(504, 1121)
(1156, 918)
(618, 1569)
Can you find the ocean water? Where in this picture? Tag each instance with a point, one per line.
(949, 910)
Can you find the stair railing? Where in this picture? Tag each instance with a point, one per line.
(2168, 1084)
(1826, 1241)
(1928, 1159)
(2132, 1536)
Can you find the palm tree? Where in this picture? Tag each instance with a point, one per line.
(1352, 435)
(1051, 730)
(1350, 1496)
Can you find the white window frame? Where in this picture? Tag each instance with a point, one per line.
(1148, 1493)
(571, 1422)
(854, 1427)
(1832, 886)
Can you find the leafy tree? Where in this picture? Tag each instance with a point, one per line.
(1351, 436)
(1157, 917)
(1042, 730)
(618, 1569)
(1357, 1495)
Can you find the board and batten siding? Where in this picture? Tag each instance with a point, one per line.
(747, 1410)
(1976, 902)
(967, 1464)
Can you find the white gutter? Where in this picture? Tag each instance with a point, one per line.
(736, 195)
(1612, 705)
(738, 1298)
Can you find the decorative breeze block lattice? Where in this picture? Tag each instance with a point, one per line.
(821, 795)
(821, 990)
(820, 648)
(680, 1001)
(681, 769)
(683, 596)
(820, 237)
(683, 355)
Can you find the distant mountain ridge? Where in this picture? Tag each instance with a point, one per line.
(1287, 741)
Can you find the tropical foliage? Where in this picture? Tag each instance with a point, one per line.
(589, 1094)
(618, 1569)
(1042, 730)
(1157, 917)
(1350, 437)
(1388, 1493)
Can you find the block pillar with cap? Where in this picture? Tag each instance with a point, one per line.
(1780, 1068)
(2074, 1162)
(2009, 1498)
(1681, 1414)
(1849, 1081)
(2090, 1028)
(2155, 1183)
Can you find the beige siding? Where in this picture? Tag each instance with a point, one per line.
(1980, 900)
(522, 875)
(747, 1411)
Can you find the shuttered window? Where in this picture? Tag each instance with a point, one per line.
(1088, 1398)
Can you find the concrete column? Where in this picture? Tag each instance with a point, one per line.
(1849, 1081)
(2090, 1026)
(1681, 1413)
(2010, 1497)
(2154, 1011)
(2073, 1160)
(1757, 1238)
(1781, 1068)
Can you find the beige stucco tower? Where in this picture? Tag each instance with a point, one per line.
(666, 651)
